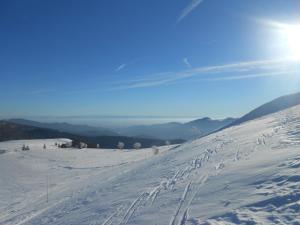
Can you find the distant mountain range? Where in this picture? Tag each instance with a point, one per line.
(273, 106)
(187, 131)
(148, 135)
(69, 128)
(13, 131)
(166, 131)
(205, 126)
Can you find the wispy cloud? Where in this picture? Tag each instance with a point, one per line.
(40, 91)
(231, 71)
(121, 67)
(216, 73)
(252, 76)
(188, 9)
(186, 63)
(126, 64)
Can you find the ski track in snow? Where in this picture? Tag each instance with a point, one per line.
(248, 174)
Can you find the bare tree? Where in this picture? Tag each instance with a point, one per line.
(120, 145)
(137, 145)
(82, 145)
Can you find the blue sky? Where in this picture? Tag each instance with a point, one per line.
(161, 58)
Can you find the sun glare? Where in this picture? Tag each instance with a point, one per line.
(292, 35)
(288, 38)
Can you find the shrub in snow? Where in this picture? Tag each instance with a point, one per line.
(137, 145)
(25, 148)
(121, 145)
(66, 145)
(78, 144)
(155, 150)
(83, 145)
(3, 151)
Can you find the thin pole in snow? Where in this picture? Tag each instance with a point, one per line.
(47, 189)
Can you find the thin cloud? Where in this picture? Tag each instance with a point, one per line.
(40, 91)
(232, 71)
(188, 9)
(252, 76)
(125, 65)
(144, 84)
(121, 67)
(186, 63)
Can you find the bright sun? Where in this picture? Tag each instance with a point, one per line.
(291, 34)
(288, 39)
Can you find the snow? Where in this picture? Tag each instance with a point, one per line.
(247, 174)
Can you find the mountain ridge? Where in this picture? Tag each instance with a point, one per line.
(173, 130)
(13, 131)
(85, 130)
(273, 106)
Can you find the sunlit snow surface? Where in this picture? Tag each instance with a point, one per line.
(248, 174)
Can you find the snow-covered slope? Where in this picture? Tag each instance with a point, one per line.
(247, 174)
(273, 106)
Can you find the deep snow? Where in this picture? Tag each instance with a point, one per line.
(248, 174)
